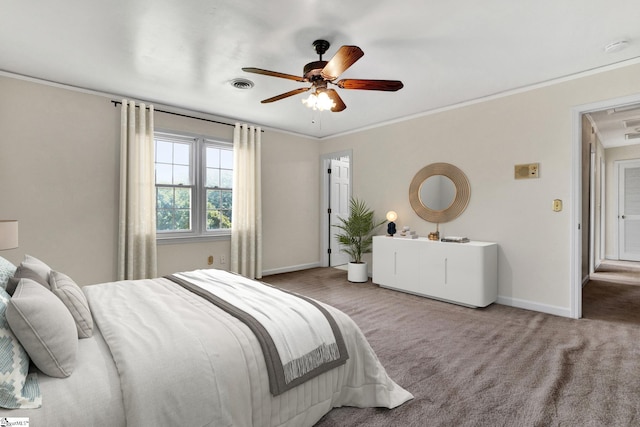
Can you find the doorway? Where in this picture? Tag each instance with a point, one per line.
(336, 176)
(629, 210)
(595, 220)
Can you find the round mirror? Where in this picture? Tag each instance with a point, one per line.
(439, 192)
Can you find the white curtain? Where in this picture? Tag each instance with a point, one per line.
(137, 227)
(246, 218)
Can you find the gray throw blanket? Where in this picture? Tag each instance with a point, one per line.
(298, 337)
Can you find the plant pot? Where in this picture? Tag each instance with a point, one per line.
(357, 272)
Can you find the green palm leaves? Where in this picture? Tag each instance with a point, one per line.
(356, 236)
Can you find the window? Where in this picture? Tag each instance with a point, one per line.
(194, 182)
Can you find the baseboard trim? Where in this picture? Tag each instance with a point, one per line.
(290, 269)
(534, 306)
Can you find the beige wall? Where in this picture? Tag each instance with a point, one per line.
(486, 140)
(58, 176)
(59, 153)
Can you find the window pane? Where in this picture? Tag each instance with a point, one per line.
(218, 219)
(226, 178)
(225, 218)
(213, 221)
(213, 199)
(226, 159)
(164, 152)
(163, 174)
(183, 198)
(213, 157)
(226, 200)
(164, 198)
(181, 154)
(213, 178)
(181, 175)
(164, 219)
(183, 219)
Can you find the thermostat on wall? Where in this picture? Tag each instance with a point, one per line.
(529, 170)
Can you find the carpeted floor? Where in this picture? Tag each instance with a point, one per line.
(624, 272)
(497, 366)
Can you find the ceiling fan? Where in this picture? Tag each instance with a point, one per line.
(322, 73)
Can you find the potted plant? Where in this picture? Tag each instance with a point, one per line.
(356, 238)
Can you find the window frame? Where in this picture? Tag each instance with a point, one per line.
(198, 231)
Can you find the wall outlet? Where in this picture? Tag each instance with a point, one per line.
(222, 259)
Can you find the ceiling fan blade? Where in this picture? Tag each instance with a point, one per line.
(285, 95)
(343, 59)
(273, 74)
(386, 85)
(340, 105)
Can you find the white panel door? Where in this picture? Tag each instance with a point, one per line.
(339, 204)
(629, 210)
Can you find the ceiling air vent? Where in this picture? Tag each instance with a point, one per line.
(630, 123)
(241, 83)
(632, 135)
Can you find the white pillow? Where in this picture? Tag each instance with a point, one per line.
(44, 327)
(72, 296)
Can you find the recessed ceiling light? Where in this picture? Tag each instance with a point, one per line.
(616, 46)
(241, 83)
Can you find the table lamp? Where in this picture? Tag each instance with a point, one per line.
(8, 234)
(391, 227)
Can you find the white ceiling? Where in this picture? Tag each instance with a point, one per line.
(618, 127)
(184, 53)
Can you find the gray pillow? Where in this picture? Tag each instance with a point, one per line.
(38, 266)
(73, 298)
(35, 267)
(24, 272)
(44, 327)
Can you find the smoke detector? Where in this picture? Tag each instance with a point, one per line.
(616, 46)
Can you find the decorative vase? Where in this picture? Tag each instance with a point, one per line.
(357, 272)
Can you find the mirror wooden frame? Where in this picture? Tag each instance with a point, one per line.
(463, 192)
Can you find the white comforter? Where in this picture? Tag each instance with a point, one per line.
(182, 361)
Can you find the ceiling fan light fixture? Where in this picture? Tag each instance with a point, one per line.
(319, 101)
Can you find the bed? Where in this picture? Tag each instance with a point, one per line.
(159, 352)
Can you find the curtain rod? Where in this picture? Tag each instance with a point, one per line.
(116, 103)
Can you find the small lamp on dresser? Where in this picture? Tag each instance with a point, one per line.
(391, 227)
(8, 234)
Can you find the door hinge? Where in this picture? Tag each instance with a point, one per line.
(329, 170)
(329, 210)
(329, 250)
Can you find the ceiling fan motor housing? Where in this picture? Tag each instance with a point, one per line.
(312, 70)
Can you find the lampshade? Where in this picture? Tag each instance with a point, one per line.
(392, 216)
(8, 234)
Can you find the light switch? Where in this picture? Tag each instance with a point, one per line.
(557, 205)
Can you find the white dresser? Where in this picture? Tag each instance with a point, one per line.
(462, 273)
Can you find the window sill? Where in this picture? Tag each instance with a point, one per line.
(175, 240)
